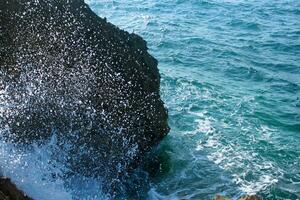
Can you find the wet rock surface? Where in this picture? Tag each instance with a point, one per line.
(250, 197)
(68, 72)
(245, 197)
(218, 197)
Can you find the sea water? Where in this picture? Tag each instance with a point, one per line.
(230, 78)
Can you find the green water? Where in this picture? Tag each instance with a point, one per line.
(231, 81)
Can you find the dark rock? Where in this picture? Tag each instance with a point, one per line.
(218, 197)
(245, 197)
(250, 197)
(65, 70)
(8, 191)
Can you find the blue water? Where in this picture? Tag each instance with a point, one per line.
(230, 74)
(231, 81)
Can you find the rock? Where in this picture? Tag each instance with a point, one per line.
(8, 191)
(218, 197)
(250, 197)
(68, 72)
(245, 197)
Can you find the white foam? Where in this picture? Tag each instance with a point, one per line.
(233, 157)
(204, 126)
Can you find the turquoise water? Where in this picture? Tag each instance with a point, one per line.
(231, 81)
(230, 74)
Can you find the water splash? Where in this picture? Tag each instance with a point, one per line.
(36, 170)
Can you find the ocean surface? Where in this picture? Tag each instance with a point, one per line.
(230, 78)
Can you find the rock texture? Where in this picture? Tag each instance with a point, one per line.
(218, 197)
(66, 71)
(250, 197)
(245, 197)
(8, 191)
